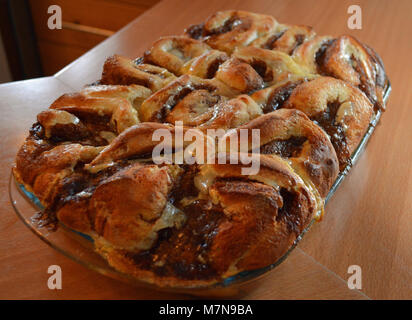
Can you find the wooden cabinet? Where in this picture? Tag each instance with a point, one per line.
(85, 23)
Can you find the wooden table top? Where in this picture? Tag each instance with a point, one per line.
(368, 222)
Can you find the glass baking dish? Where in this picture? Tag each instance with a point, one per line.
(80, 248)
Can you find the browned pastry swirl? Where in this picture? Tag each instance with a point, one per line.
(105, 110)
(287, 38)
(272, 66)
(121, 70)
(227, 30)
(290, 134)
(341, 110)
(188, 99)
(206, 65)
(173, 53)
(347, 59)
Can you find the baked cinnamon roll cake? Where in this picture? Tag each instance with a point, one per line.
(90, 157)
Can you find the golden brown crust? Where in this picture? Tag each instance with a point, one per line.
(272, 66)
(128, 204)
(239, 76)
(188, 99)
(124, 71)
(42, 166)
(341, 110)
(347, 59)
(205, 65)
(287, 38)
(139, 142)
(174, 52)
(291, 135)
(233, 113)
(227, 30)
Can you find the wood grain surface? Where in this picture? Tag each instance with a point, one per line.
(368, 222)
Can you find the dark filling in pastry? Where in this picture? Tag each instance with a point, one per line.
(184, 252)
(81, 184)
(37, 131)
(233, 22)
(214, 66)
(184, 186)
(365, 85)
(278, 97)
(320, 55)
(291, 147)
(91, 123)
(185, 91)
(261, 69)
(69, 132)
(326, 120)
(299, 39)
(271, 42)
(195, 31)
(289, 213)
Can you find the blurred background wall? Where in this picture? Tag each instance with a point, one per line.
(30, 49)
(5, 75)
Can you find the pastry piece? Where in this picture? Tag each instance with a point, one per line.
(123, 71)
(131, 206)
(227, 30)
(347, 59)
(60, 125)
(273, 97)
(139, 141)
(342, 110)
(272, 66)
(239, 76)
(286, 38)
(206, 65)
(188, 99)
(135, 94)
(233, 113)
(232, 222)
(42, 166)
(103, 108)
(290, 134)
(174, 52)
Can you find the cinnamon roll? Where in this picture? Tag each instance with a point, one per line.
(124, 71)
(347, 59)
(287, 38)
(173, 53)
(188, 99)
(290, 134)
(272, 66)
(228, 30)
(342, 110)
